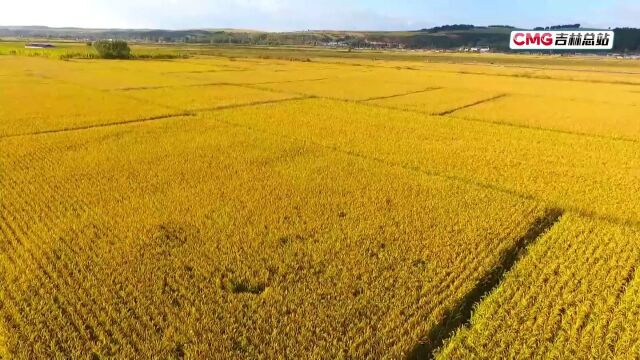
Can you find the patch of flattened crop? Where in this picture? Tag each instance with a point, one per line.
(165, 238)
(290, 239)
(242, 286)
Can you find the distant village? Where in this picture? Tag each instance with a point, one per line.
(456, 37)
(366, 44)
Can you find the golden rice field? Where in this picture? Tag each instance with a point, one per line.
(254, 208)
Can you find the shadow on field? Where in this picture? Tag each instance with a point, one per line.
(460, 314)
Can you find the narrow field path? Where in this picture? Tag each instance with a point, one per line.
(461, 313)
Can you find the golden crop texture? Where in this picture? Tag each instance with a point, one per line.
(233, 208)
(530, 163)
(234, 242)
(573, 296)
(600, 118)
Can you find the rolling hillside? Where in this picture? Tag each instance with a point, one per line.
(443, 37)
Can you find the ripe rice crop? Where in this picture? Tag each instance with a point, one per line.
(436, 101)
(612, 93)
(573, 296)
(28, 105)
(545, 165)
(358, 86)
(97, 74)
(261, 74)
(249, 235)
(588, 117)
(165, 67)
(206, 97)
(239, 206)
(621, 75)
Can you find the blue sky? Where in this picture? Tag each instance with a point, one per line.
(285, 15)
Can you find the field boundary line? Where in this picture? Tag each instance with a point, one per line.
(560, 131)
(217, 83)
(586, 213)
(351, 101)
(423, 68)
(461, 314)
(108, 91)
(388, 163)
(87, 127)
(295, 97)
(154, 118)
(202, 71)
(450, 111)
(460, 118)
(289, 81)
(479, 73)
(401, 95)
(542, 77)
(552, 68)
(497, 123)
(157, 87)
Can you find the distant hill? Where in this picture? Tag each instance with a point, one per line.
(440, 37)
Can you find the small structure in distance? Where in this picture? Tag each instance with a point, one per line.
(39, 46)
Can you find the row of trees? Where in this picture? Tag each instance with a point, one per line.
(626, 40)
(557, 27)
(455, 27)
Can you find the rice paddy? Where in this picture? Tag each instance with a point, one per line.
(240, 207)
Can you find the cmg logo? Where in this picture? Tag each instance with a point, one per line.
(530, 38)
(561, 40)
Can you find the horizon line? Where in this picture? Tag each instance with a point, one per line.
(271, 31)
